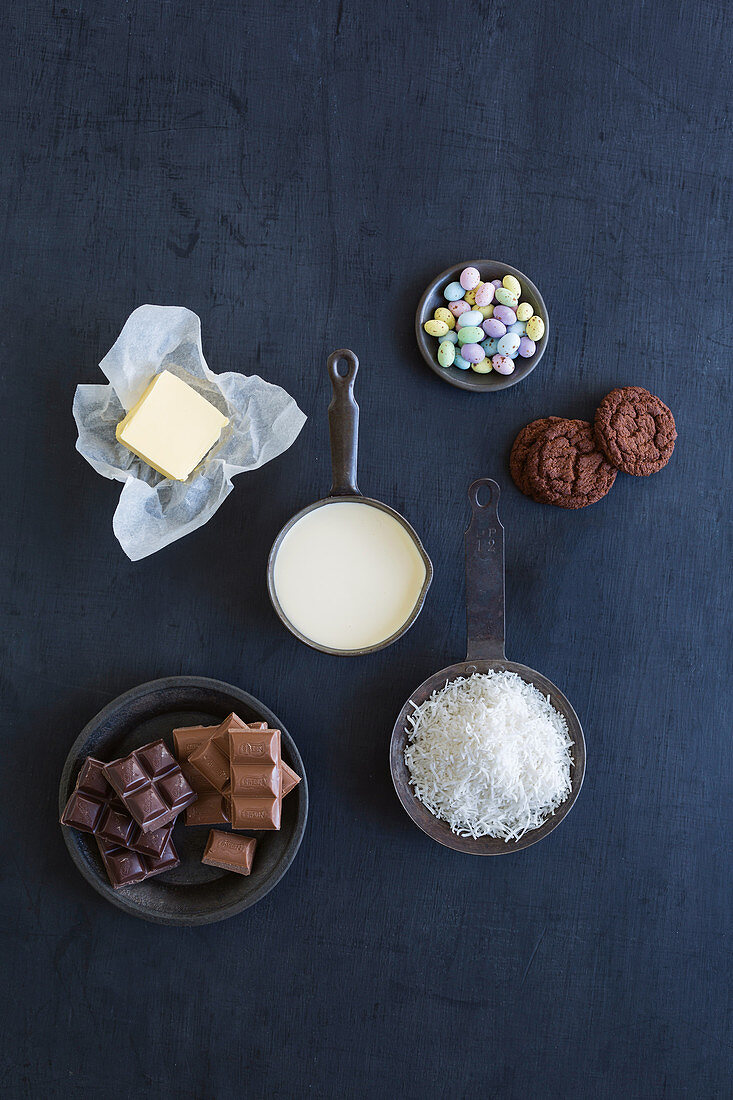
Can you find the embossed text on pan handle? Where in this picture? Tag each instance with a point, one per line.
(485, 574)
(343, 423)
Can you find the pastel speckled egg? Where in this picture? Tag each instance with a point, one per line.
(484, 367)
(472, 334)
(474, 353)
(524, 311)
(490, 345)
(519, 327)
(460, 362)
(471, 317)
(484, 294)
(535, 328)
(435, 328)
(527, 347)
(512, 284)
(494, 327)
(508, 344)
(502, 364)
(496, 282)
(504, 314)
(470, 297)
(469, 278)
(486, 311)
(443, 314)
(453, 292)
(449, 338)
(506, 298)
(457, 308)
(446, 354)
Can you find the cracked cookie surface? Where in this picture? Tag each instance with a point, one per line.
(635, 430)
(564, 466)
(521, 448)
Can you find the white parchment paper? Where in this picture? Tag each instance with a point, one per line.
(154, 511)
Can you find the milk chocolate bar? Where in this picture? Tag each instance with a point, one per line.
(211, 759)
(232, 852)
(209, 808)
(126, 868)
(255, 794)
(95, 808)
(151, 785)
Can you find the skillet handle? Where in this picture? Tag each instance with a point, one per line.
(343, 423)
(485, 574)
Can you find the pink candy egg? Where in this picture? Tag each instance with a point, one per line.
(459, 307)
(485, 294)
(493, 327)
(504, 314)
(469, 278)
(474, 353)
(502, 364)
(526, 347)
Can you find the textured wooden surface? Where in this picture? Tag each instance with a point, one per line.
(297, 174)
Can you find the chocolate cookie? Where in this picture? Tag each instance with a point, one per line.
(521, 448)
(564, 467)
(635, 430)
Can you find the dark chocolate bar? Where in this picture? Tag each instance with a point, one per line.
(232, 852)
(95, 808)
(126, 868)
(151, 784)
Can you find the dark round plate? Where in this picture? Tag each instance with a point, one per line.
(468, 379)
(191, 893)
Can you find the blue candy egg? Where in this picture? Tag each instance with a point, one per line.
(518, 328)
(453, 292)
(460, 362)
(448, 338)
(490, 345)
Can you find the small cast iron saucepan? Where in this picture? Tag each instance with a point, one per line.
(343, 422)
(485, 622)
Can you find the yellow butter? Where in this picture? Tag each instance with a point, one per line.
(171, 427)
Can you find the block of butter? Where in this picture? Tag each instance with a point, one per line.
(171, 427)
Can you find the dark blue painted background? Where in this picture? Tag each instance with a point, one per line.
(296, 173)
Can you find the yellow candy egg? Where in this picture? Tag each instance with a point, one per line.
(535, 328)
(511, 284)
(483, 367)
(524, 311)
(470, 296)
(443, 314)
(486, 311)
(435, 328)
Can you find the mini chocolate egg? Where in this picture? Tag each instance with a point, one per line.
(486, 311)
(504, 314)
(524, 311)
(527, 347)
(470, 297)
(508, 344)
(506, 298)
(496, 283)
(443, 314)
(535, 328)
(494, 327)
(484, 294)
(460, 362)
(519, 327)
(435, 328)
(472, 317)
(512, 284)
(502, 364)
(469, 278)
(474, 353)
(472, 334)
(449, 338)
(490, 345)
(446, 354)
(459, 307)
(453, 292)
(484, 367)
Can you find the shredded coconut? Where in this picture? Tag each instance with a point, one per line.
(489, 755)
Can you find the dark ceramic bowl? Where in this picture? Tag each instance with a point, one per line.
(468, 379)
(192, 893)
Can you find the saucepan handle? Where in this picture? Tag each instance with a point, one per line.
(343, 423)
(485, 574)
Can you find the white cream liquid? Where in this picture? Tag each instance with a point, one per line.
(348, 575)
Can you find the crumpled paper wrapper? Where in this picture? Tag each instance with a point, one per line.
(154, 511)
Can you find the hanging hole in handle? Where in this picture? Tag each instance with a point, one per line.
(483, 493)
(342, 365)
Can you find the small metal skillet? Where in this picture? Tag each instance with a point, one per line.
(485, 595)
(343, 423)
